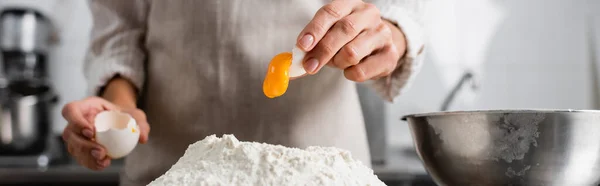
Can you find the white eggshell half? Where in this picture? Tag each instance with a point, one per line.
(117, 132)
(297, 69)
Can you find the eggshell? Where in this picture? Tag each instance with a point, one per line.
(117, 132)
(297, 69)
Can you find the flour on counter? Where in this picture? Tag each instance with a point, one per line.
(227, 161)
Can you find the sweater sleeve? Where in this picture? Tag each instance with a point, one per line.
(116, 43)
(407, 14)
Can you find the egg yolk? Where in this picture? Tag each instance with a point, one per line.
(278, 75)
(133, 130)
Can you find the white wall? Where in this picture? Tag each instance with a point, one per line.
(551, 69)
(65, 61)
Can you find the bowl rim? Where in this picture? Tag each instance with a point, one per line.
(495, 111)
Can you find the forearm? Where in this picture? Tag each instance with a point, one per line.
(121, 92)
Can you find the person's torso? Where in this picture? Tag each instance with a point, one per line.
(206, 64)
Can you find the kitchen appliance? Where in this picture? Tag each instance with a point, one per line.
(24, 123)
(509, 147)
(25, 138)
(26, 96)
(25, 38)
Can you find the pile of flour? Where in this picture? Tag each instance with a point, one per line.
(227, 161)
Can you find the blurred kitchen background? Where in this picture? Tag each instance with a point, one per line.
(510, 54)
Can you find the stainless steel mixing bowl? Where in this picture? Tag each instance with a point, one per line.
(509, 147)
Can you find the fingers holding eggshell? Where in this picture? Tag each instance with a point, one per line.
(84, 147)
(140, 118)
(79, 134)
(86, 152)
(75, 116)
(323, 20)
(375, 66)
(80, 114)
(362, 46)
(103, 163)
(344, 31)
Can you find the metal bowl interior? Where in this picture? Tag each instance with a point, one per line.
(509, 147)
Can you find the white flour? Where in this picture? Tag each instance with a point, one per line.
(227, 161)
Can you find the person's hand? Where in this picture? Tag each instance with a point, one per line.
(80, 130)
(351, 35)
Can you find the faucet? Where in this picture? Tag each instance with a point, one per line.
(450, 97)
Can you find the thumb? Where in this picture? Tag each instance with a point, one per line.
(142, 122)
(73, 114)
(144, 132)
